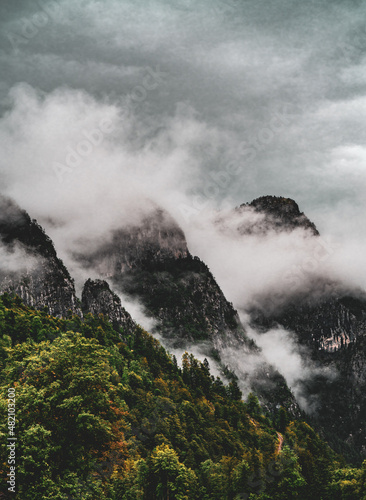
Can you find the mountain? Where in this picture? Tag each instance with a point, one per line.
(334, 333)
(37, 275)
(268, 213)
(283, 213)
(329, 320)
(151, 262)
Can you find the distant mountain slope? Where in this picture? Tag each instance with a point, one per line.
(266, 214)
(334, 331)
(43, 280)
(330, 319)
(282, 213)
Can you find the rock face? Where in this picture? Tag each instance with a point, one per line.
(157, 238)
(97, 298)
(330, 320)
(329, 324)
(335, 331)
(37, 275)
(269, 213)
(327, 316)
(151, 263)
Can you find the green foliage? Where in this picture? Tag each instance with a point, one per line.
(348, 484)
(98, 418)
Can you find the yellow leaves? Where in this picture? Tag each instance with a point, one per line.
(144, 363)
(206, 407)
(254, 423)
(162, 386)
(347, 483)
(135, 380)
(179, 393)
(164, 456)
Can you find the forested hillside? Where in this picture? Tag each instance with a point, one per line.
(104, 413)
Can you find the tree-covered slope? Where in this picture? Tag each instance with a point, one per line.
(147, 260)
(104, 413)
(150, 263)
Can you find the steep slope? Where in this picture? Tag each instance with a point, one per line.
(151, 263)
(37, 275)
(325, 313)
(335, 331)
(329, 324)
(97, 298)
(107, 419)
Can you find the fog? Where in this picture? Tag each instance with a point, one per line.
(16, 260)
(273, 261)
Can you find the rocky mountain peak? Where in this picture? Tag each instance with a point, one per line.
(16, 226)
(97, 298)
(280, 213)
(150, 262)
(155, 239)
(276, 204)
(42, 279)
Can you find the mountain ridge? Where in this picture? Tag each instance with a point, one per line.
(151, 263)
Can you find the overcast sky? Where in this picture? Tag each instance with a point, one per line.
(194, 104)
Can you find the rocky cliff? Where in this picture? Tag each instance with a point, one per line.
(151, 263)
(37, 275)
(97, 298)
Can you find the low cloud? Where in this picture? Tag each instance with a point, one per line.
(15, 261)
(281, 349)
(264, 261)
(93, 167)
